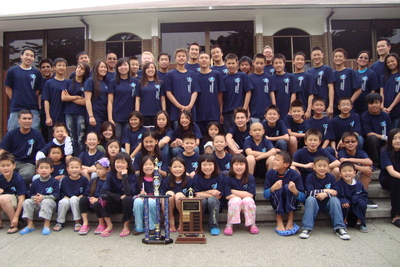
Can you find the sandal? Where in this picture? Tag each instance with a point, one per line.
(77, 227)
(27, 230)
(84, 230)
(12, 230)
(124, 233)
(100, 228)
(46, 231)
(107, 233)
(58, 227)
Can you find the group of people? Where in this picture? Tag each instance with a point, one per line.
(97, 138)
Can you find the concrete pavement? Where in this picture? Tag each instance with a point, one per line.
(379, 247)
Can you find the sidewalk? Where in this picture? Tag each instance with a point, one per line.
(379, 247)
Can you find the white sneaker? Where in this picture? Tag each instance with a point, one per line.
(305, 234)
(341, 232)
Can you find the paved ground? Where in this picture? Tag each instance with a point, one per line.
(379, 247)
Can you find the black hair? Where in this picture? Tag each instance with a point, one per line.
(95, 75)
(241, 159)
(144, 152)
(141, 172)
(157, 129)
(45, 60)
(372, 97)
(285, 156)
(172, 177)
(191, 122)
(313, 131)
(163, 54)
(125, 156)
(386, 70)
(318, 98)
(321, 158)
(7, 156)
(138, 115)
(24, 111)
(86, 68)
(389, 144)
(345, 164)
(145, 79)
(349, 134)
(120, 62)
(45, 161)
(207, 158)
(273, 107)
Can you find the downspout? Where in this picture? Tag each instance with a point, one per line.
(86, 33)
(328, 30)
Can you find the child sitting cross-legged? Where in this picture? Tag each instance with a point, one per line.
(283, 186)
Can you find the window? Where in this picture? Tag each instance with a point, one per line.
(65, 43)
(351, 35)
(15, 42)
(232, 36)
(125, 45)
(389, 29)
(290, 41)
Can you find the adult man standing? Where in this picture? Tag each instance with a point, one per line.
(383, 48)
(23, 84)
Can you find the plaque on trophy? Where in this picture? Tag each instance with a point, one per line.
(191, 221)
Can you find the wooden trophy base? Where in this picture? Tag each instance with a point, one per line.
(191, 239)
(161, 241)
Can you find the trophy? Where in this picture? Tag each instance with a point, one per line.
(157, 239)
(156, 178)
(191, 220)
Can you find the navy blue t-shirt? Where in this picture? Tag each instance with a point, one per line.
(99, 103)
(177, 188)
(387, 160)
(269, 69)
(59, 169)
(50, 187)
(99, 187)
(306, 87)
(179, 134)
(74, 89)
(24, 84)
(70, 188)
(279, 129)
(16, 186)
(181, 85)
(260, 96)
(378, 67)
(52, 90)
(192, 67)
(150, 98)
(162, 163)
(379, 124)
(133, 137)
(23, 146)
(236, 87)
(224, 164)
(90, 160)
(294, 126)
(191, 162)
(322, 77)
(360, 154)
(391, 88)
(201, 184)
(285, 86)
(222, 69)
(348, 193)
(264, 146)
(124, 98)
(207, 105)
(303, 156)
(315, 183)
(236, 184)
(114, 185)
(239, 136)
(109, 76)
(271, 177)
(369, 82)
(345, 85)
(321, 125)
(340, 125)
(161, 75)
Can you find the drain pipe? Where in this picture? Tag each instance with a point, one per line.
(328, 30)
(86, 33)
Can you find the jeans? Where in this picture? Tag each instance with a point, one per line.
(211, 204)
(76, 128)
(119, 129)
(331, 206)
(165, 154)
(13, 120)
(138, 212)
(281, 144)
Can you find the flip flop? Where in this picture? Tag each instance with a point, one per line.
(107, 233)
(124, 233)
(26, 230)
(77, 227)
(294, 229)
(396, 222)
(11, 231)
(46, 231)
(283, 233)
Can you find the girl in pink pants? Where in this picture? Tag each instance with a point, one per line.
(240, 189)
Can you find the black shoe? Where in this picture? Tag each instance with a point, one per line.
(371, 204)
(298, 206)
